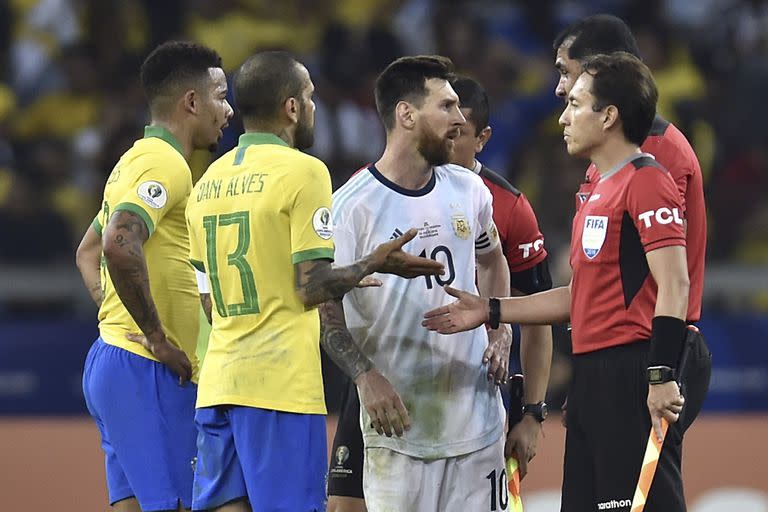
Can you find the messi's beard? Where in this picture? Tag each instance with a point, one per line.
(433, 148)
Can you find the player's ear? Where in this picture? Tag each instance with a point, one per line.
(483, 138)
(291, 109)
(611, 117)
(189, 101)
(405, 115)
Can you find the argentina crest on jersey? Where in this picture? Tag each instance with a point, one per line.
(593, 235)
(461, 226)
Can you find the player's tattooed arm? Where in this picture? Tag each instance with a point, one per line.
(205, 301)
(124, 238)
(377, 395)
(88, 258)
(123, 244)
(317, 281)
(337, 341)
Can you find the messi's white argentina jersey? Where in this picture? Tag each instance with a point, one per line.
(454, 410)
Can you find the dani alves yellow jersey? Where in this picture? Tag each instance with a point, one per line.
(152, 179)
(257, 211)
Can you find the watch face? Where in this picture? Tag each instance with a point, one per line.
(538, 411)
(654, 374)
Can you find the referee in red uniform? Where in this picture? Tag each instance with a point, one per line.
(627, 300)
(603, 33)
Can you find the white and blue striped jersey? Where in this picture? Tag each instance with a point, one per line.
(442, 380)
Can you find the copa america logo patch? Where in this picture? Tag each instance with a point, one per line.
(342, 454)
(593, 236)
(153, 193)
(321, 222)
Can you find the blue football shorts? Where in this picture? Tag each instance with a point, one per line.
(147, 427)
(276, 460)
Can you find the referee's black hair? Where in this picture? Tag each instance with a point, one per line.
(176, 64)
(264, 82)
(601, 33)
(472, 95)
(622, 80)
(405, 80)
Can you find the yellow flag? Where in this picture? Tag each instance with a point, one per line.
(513, 479)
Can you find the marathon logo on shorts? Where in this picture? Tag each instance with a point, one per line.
(662, 216)
(593, 235)
(614, 504)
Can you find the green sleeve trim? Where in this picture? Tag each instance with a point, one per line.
(96, 225)
(199, 265)
(141, 212)
(323, 253)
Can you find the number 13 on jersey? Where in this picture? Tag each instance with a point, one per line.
(217, 227)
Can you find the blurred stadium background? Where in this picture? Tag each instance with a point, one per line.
(70, 105)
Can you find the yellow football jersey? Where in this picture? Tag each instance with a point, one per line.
(152, 179)
(257, 211)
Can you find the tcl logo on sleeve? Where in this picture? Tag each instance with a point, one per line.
(526, 248)
(662, 216)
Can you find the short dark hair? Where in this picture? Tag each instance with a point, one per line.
(601, 33)
(622, 80)
(472, 95)
(405, 79)
(264, 82)
(176, 63)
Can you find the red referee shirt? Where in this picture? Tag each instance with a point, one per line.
(673, 151)
(521, 239)
(632, 210)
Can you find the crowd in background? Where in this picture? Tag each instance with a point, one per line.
(70, 101)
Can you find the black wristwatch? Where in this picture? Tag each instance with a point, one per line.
(538, 411)
(660, 374)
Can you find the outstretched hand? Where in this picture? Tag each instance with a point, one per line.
(389, 258)
(464, 314)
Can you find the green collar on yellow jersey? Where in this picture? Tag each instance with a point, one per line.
(161, 133)
(251, 138)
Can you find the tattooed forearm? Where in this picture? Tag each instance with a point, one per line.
(124, 238)
(337, 341)
(317, 281)
(205, 301)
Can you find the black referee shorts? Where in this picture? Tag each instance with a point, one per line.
(345, 474)
(608, 427)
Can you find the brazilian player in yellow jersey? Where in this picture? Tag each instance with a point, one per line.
(260, 228)
(132, 259)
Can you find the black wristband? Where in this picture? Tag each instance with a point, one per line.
(667, 341)
(494, 312)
